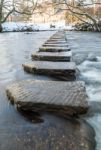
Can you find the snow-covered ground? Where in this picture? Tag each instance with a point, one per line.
(18, 26)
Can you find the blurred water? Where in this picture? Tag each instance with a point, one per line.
(16, 48)
(86, 47)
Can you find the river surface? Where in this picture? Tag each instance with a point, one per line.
(16, 48)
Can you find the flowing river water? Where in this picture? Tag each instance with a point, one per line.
(16, 48)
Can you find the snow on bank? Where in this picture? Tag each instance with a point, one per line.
(18, 26)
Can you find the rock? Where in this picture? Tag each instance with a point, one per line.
(92, 57)
(94, 108)
(79, 57)
(57, 37)
(84, 27)
(55, 42)
(55, 133)
(58, 56)
(59, 70)
(62, 98)
(53, 49)
(54, 45)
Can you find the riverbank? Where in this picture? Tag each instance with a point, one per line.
(87, 27)
(30, 27)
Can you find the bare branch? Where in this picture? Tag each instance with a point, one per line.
(10, 12)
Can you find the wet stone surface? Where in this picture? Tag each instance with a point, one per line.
(53, 49)
(59, 70)
(55, 133)
(63, 98)
(58, 56)
(54, 45)
(55, 42)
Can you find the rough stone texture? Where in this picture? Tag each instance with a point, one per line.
(55, 42)
(62, 98)
(58, 56)
(59, 70)
(57, 38)
(55, 45)
(54, 133)
(54, 49)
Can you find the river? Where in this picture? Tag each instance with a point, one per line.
(16, 48)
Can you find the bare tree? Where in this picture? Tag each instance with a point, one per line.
(7, 7)
(79, 9)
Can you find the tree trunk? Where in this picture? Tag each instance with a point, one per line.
(0, 27)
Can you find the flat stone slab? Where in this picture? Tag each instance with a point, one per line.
(57, 40)
(55, 45)
(56, 56)
(57, 37)
(54, 133)
(60, 70)
(53, 49)
(62, 98)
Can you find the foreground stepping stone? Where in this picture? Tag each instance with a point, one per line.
(60, 70)
(53, 49)
(63, 98)
(58, 56)
(54, 133)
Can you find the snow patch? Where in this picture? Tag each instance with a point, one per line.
(20, 26)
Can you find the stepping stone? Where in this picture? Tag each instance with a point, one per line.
(63, 98)
(57, 38)
(58, 35)
(58, 56)
(59, 70)
(55, 42)
(54, 133)
(55, 45)
(53, 49)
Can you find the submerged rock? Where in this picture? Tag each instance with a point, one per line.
(79, 58)
(92, 57)
(55, 133)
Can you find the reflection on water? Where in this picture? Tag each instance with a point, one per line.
(16, 48)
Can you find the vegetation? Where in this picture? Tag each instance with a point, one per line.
(76, 10)
(82, 10)
(8, 7)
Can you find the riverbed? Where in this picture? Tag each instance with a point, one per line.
(16, 48)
